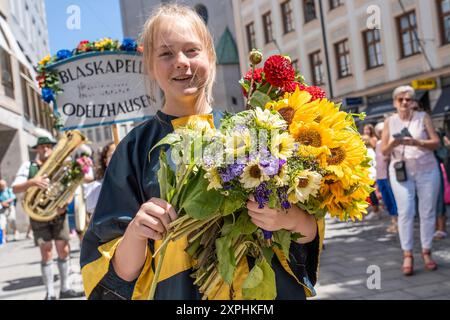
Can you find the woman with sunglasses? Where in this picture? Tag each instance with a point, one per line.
(409, 138)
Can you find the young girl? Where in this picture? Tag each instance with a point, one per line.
(130, 219)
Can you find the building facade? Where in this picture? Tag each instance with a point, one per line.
(357, 50)
(218, 15)
(22, 43)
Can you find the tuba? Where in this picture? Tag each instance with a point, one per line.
(41, 205)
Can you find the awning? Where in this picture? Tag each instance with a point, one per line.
(442, 107)
(378, 110)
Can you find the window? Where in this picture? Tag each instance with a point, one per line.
(98, 135)
(335, 3)
(444, 19)
(107, 133)
(343, 58)
(90, 135)
(372, 46)
(6, 73)
(316, 68)
(309, 9)
(267, 24)
(251, 39)
(286, 15)
(407, 30)
(25, 102)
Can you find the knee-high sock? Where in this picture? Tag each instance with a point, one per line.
(63, 266)
(47, 277)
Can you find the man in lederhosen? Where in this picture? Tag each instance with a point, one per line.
(45, 232)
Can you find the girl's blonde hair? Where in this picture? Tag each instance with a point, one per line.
(149, 34)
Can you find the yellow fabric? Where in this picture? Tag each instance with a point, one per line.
(193, 121)
(321, 229)
(93, 272)
(222, 290)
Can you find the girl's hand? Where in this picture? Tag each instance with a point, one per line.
(272, 219)
(152, 220)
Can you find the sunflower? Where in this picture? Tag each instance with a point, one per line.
(348, 152)
(305, 184)
(269, 120)
(290, 104)
(282, 145)
(253, 175)
(314, 139)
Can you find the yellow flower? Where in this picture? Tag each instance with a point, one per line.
(238, 143)
(306, 184)
(282, 178)
(347, 153)
(45, 60)
(290, 104)
(315, 140)
(214, 179)
(282, 145)
(253, 175)
(265, 119)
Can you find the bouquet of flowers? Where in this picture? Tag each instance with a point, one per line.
(292, 147)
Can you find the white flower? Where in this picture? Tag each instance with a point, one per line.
(253, 175)
(306, 184)
(265, 119)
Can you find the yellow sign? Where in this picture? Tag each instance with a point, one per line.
(425, 84)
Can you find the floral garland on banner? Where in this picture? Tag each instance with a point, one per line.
(48, 79)
(291, 147)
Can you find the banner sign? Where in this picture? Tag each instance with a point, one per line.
(101, 88)
(425, 84)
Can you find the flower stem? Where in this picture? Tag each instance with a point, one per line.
(151, 295)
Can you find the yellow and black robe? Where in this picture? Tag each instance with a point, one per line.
(131, 180)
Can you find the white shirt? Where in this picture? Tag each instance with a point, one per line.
(22, 174)
(92, 191)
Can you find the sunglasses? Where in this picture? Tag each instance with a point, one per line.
(404, 99)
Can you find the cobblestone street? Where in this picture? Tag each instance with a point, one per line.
(350, 248)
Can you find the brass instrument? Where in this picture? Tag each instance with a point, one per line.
(42, 205)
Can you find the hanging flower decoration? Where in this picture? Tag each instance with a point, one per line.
(48, 79)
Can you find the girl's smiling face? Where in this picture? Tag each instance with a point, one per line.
(180, 64)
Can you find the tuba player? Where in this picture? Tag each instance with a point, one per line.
(56, 230)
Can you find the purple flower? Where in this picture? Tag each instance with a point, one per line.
(230, 172)
(283, 196)
(262, 195)
(48, 95)
(271, 165)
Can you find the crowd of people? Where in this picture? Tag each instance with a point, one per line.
(410, 166)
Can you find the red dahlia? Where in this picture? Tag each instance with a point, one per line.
(290, 87)
(279, 71)
(257, 75)
(316, 92)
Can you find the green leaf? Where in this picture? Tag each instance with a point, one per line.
(268, 253)
(244, 225)
(283, 239)
(259, 99)
(170, 139)
(257, 287)
(232, 203)
(197, 201)
(226, 259)
(166, 177)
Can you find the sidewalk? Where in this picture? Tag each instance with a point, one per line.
(350, 248)
(20, 270)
